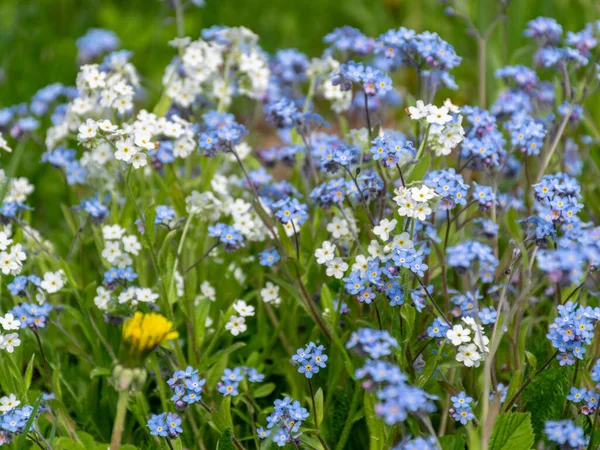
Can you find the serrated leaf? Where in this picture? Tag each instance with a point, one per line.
(513, 431)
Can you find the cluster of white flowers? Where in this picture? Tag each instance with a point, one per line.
(415, 201)
(18, 188)
(119, 247)
(209, 68)
(100, 91)
(12, 255)
(237, 322)
(336, 266)
(132, 142)
(270, 294)
(471, 341)
(9, 341)
(444, 123)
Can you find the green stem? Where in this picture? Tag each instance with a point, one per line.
(119, 423)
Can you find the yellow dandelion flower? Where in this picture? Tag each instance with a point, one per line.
(142, 333)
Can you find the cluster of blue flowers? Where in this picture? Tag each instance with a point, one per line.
(584, 395)
(67, 159)
(96, 42)
(426, 51)
(572, 330)
(373, 343)
(94, 207)
(31, 315)
(310, 359)
(392, 149)
(526, 134)
(228, 235)
(290, 210)
(396, 398)
(164, 215)
(186, 386)
(450, 186)
(371, 81)
(461, 410)
(221, 133)
(566, 433)
(230, 381)
(288, 416)
(115, 276)
(483, 145)
(166, 425)
(348, 40)
(14, 421)
(469, 254)
(20, 285)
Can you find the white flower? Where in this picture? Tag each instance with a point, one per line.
(8, 264)
(383, 229)
(138, 160)
(102, 298)
(9, 403)
(9, 322)
(144, 139)
(375, 249)
(125, 150)
(9, 342)
(438, 116)
(421, 195)
(419, 111)
(131, 244)
(338, 227)
(145, 295)
(87, 130)
(336, 268)
(236, 325)
(458, 335)
(5, 241)
(17, 253)
(112, 251)
(112, 232)
(402, 240)
(208, 291)
(452, 135)
(243, 309)
(325, 253)
(4, 145)
(52, 282)
(361, 263)
(421, 211)
(270, 293)
(451, 107)
(468, 355)
(107, 126)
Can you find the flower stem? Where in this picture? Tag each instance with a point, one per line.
(119, 423)
(318, 430)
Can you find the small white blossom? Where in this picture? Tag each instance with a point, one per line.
(325, 253)
(236, 325)
(336, 268)
(243, 309)
(383, 229)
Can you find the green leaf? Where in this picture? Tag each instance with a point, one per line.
(409, 315)
(374, 423)
(513, 431)
(452, 442)
(510, 219)
(100, 372)
(224, 352)
(28, 374)
(419, 169)
(263, 390)
(319, 405)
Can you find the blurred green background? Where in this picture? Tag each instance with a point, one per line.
(37, 37)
